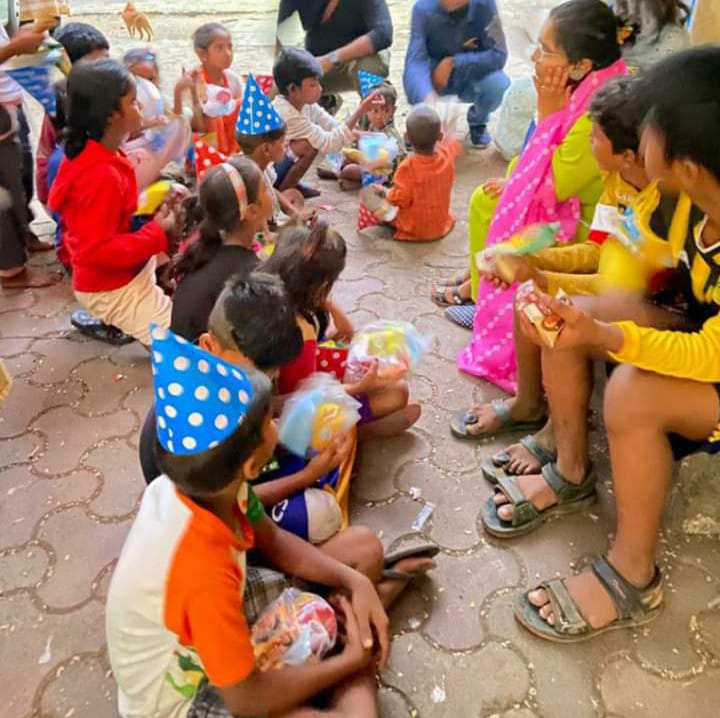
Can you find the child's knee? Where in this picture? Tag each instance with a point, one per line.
(628, 401)
(302, 149)
(368, 549)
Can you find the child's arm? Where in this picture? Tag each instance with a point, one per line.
(282, 690)
(188, 81)
(272, 492)
(401, 194)
(291, 555)
(344, 329)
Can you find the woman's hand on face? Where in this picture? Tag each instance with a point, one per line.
(553, 91)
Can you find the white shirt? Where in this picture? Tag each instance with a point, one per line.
(10, 91)
(312, 123)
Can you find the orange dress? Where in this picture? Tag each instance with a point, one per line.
(421, 190)
(224, 127)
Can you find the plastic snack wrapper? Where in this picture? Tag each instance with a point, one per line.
(531, 240)
(395, 344)
(376, 154)
(316, 414)
(548, 324)
(378, 204)
(296, 628)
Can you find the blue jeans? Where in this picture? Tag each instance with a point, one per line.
(485, 93)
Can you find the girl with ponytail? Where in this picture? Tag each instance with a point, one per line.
(233, 204)
(96, 194)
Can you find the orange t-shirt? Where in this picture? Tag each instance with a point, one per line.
(224, 127)
(421, 190)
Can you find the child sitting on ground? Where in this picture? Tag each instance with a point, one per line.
(380, 117)
(96, 194)
(309, 128)
(253, 325)
(186, 554)
(309, 260)
(423, 183)
(213, 46)
(234, 204)
(264, 143)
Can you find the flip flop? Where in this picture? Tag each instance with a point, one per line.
(494, 467)
(424, 550)
(635, 607)
(571, 499)
(462, 419)
(439, 297)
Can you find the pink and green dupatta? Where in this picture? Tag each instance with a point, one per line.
(529, 197)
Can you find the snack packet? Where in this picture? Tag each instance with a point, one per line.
(395, 344)
(548, 324)
(296, 628)
(316, 414)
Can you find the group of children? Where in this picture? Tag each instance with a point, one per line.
(239, 321)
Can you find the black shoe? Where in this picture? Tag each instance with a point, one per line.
(97, 329)
(307, 191)
(480, 138)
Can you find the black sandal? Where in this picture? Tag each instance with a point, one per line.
(97, 329)
(635, 606)
(439, 297)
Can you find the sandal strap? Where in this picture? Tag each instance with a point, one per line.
(628, 599)
(568, 619)
(565, 490)
(523, 509)
(457, 299)
(538, 452)
(502, 413)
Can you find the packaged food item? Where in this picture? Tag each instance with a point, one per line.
(500, 259)
(395, 344)
(296, 628)
(378, 204)
(316, 414)
(548, 324)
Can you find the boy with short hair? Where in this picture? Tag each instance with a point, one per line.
(178, 635)
(264, 143)
(309, 128)
(423, 182)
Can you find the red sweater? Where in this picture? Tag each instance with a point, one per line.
(96, 195)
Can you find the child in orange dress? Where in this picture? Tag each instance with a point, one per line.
(424, 180)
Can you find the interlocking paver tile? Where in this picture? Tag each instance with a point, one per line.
(22, 568)
(120, 493)
(27, 498)
(61, 355)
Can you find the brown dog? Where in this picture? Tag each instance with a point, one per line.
(136, 22)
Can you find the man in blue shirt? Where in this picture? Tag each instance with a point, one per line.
(457, 47)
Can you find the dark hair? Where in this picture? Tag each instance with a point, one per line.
(308, 260)
(682, 93)
(217, 212)
(80, 39)
(137, 55)
(587, 29)
(292, 66)
(5, 120)
(254, 315)
(650, 16)
(387, 91)
(94, 92)
(619, 112)
(249, 143)
(210, 471)
(423, 128)
(205, 34)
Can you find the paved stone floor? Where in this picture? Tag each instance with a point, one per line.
(70, 484)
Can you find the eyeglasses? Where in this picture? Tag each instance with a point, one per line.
(543, 53)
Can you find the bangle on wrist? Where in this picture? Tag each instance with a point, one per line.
(335, 58)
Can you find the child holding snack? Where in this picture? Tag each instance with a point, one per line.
(309, 128)
(213, 46)
(423, 183)
(186, 553)
(309, 260)
(234, 203)
(96, 194)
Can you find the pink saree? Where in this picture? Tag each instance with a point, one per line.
(529, 197)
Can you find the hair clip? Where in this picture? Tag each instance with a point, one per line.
(238, 184)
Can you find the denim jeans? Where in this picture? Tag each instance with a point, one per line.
(485, 93)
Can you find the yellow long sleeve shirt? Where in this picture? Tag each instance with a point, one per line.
(687, 355)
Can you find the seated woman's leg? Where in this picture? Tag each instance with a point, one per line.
(480, 213)
(641, 409)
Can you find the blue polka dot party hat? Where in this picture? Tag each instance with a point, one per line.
(257, 116)
(199, 399)
(367, 81)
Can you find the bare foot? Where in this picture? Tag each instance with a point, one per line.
(534, 488)
(348, 185)
(489, 422)
(326, 173)
(392, 424)
(389, 589)
(35, 244)
(32, 278)
(447, 295)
